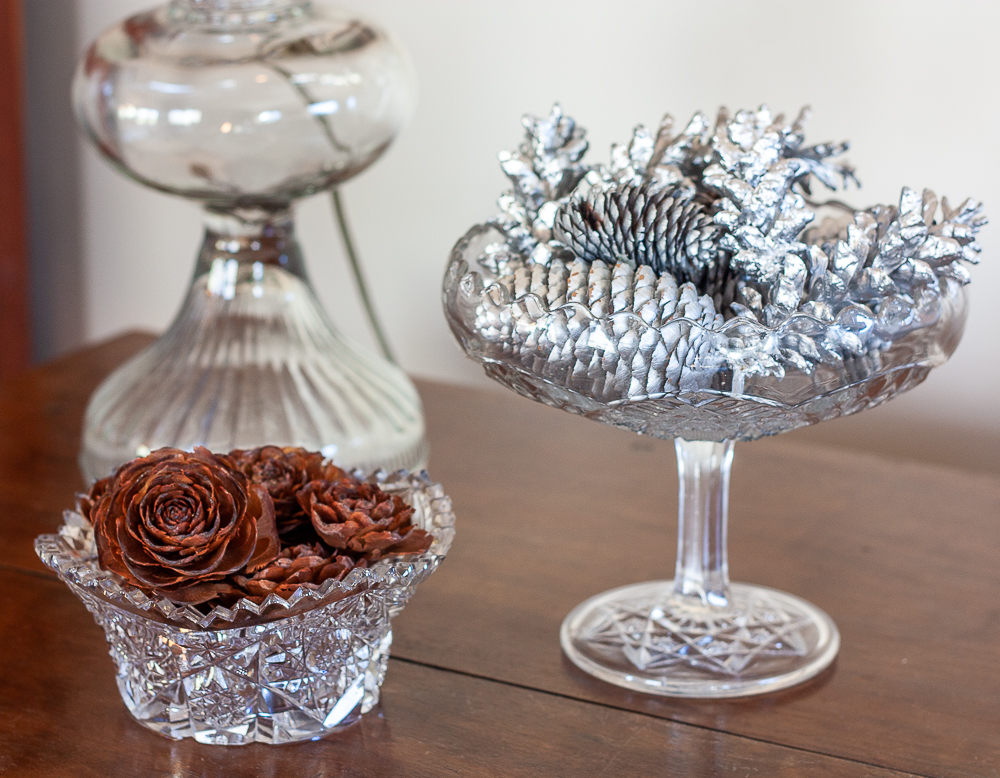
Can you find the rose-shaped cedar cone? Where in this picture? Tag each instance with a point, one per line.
(178, 523)
(361, 518)
(283, 471)
(306, 565)
(85, 502)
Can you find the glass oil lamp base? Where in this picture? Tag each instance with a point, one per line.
(248, 106)
(648, 638)
(252, 359)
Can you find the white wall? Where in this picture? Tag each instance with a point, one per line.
(911, 84)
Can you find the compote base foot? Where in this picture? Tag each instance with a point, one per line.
(647, 638)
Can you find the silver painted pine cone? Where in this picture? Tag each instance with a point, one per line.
(670, 230)
(690, 261)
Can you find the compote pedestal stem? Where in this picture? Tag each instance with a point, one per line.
(700, 635)
(703, 507)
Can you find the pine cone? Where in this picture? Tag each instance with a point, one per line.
(361, 518)
(569, 347)
(178, 523)
(85, 502)
(307, 565)
(669, 230)
(283, 472)
(704, 226)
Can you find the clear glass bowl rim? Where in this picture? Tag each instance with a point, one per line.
(954, 307)
(458, 267)
(77, 567)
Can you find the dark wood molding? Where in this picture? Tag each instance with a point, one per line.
(15, 340)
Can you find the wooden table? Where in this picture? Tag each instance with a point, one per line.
(552, 509)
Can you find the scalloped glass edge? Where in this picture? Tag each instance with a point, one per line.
(461, 281)
(72, 555)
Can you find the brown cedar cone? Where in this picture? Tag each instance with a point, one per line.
(306, 565)
(283, 471)
(179, 523)
(85, 502)
(361, 518)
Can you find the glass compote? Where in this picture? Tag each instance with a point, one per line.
(699, 635)
(686, 290)
(246, 106)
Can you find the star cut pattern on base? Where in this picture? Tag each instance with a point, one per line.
(658, 635)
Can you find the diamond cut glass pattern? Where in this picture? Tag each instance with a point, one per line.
(278, 672)
(292, 679)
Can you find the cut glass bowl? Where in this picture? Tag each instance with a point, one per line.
(275, 672)
(698, 635)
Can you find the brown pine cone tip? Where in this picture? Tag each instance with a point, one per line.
(85, 502)
(200, 527)
(362, 519)
(179, 523)
(283, 471)
(304, 565)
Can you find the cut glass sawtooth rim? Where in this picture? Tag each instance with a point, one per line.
(275, 672)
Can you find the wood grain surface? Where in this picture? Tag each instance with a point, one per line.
(904, 557)
(552, 509)
(60, 715)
